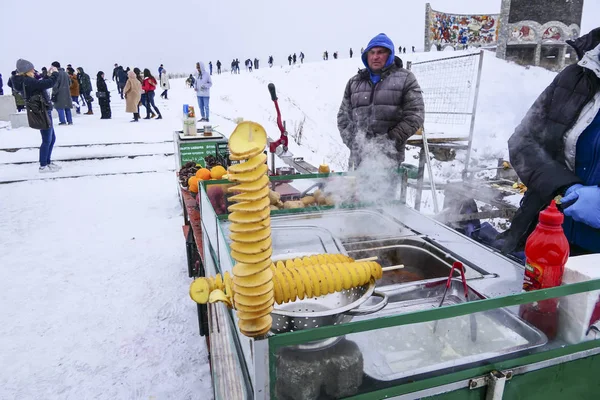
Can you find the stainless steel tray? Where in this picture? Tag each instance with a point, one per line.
(290, 241)
(348, 225)
(398, 352)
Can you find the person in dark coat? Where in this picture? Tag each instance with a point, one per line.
(122, 79)
(210, 67)
(103, 96)
(556, 151)
(116, 78)
(85, 88)
(382, 106)
(18, 95)
(61, 96)
(25, 82)
(351, 52)
(218, 67)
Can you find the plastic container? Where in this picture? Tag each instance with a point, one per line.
(546, 253)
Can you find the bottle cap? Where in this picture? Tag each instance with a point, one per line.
(551, 215)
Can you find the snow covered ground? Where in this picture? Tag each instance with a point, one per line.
(93, 279)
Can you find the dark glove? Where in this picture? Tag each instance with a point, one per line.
(585, 207)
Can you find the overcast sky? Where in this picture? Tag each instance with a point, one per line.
(178, 33)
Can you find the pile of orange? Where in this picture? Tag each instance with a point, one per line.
(193, 184)
(203, 174)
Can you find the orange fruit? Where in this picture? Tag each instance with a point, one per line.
(217, 172)
(193, 184)
(203, 174)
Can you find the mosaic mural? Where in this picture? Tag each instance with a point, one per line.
(526, 32)
(460, 31)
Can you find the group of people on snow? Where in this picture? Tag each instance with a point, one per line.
(291, 59)
(66, 88)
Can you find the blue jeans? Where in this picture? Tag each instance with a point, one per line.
(48, 139)
(203, 103)
(76, 100)
(61, 115)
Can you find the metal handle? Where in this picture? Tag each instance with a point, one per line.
(371, 309)
(272, 91)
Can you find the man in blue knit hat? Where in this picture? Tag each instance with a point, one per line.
(382, 106)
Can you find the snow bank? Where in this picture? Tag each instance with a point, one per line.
(93, 289)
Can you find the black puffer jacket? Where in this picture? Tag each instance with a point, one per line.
(31, 86)
(537, 147)
(387, 113)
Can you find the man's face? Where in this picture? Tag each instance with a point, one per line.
(377, 57)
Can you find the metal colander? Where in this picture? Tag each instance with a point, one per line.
(331, 309)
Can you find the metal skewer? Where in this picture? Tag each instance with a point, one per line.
(385, 269)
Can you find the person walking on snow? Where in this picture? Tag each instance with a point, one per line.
(202, 86)
(74, 88)
(30, 87)
(1, 86)
(61, 96)
(122, 80)
(210, 67)
(218, 67)
(351, 52)
(85, 88)
(133, 94)
(160, 70)
(556, 151)
(382, 106)
(164, 84)
(149, 86)
(301, 58)
(115, 78)
(294, 58)
(290, 59)
(103, 96)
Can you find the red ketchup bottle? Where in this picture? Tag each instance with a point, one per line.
(546, 253)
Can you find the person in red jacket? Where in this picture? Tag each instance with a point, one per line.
(148, 87)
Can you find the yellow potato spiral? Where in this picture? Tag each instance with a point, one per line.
(291, 280)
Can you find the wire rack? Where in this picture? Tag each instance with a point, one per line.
(449, 88)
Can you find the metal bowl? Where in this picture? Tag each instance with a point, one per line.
(331, 309)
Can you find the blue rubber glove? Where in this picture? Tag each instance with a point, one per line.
(586, 206)
(572, 189)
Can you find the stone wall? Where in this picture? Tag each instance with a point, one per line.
(542, 11)
(538, 26)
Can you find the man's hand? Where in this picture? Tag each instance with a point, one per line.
(52, 70)
(586, 206)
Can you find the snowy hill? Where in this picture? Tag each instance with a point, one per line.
(310, 95)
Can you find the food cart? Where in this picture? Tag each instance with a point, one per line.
(440, 322)
(394, 341)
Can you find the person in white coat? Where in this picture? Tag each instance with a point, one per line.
(164, 83)
(202, 87)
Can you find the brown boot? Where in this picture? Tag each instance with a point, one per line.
(89, 113)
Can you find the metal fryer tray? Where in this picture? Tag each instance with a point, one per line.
(403, 351)
(289, 241)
